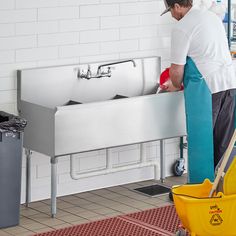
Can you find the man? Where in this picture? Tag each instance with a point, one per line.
(200, 35)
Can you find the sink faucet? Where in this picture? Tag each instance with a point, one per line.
(102, 74)
(85, 75)
(88, 75)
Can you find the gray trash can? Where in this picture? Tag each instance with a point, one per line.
(11, 138)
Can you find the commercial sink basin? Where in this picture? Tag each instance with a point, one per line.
(70, 112)
(71, 102)
(98, 121)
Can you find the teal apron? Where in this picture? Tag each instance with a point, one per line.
(198, 107)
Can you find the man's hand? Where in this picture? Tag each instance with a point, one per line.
(169, 87)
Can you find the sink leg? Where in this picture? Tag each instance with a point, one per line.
(54, 162)
(162, 160)
(28, 177)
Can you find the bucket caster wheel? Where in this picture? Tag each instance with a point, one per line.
(178, 167)
(181, 232)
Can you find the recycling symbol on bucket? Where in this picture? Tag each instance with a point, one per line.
(216, 220)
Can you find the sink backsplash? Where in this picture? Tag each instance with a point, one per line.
(59, 85)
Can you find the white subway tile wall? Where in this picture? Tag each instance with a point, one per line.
(36, 33)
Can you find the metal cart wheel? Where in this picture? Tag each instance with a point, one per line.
(178, 167)
(181, 232)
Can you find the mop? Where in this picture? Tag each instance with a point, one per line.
(221, 170)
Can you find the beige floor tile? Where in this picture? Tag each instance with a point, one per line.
(28, 212)
(61, 216)
(128, 193)
(88, 214)
(140, 197)
(132, 186)
(52, 222)
(75, 210)
(114, 214)
(28, 233)
(64, 205)
(153, 201)
(145, 207)
(61, 213)
(16, 229)
(122, 199)
(43, 230)
(113, 196)
(26, 221)
(80, 202)
(123, 208)
(43, 209)
(65, 225)
(106, 202)
(46, 201)
(117, 189)
(104, 211)
(148, 182)
(2, 233)
(40, 217)
(34, 226)
(132, 202)
(35, 205)
(79, 222)
(99, 217)
(69, 198)
(96, 198)
(101, 192)
(85, 195)
(71, 218)
(129, 210)
(90, 206)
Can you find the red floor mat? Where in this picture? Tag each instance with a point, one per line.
(161, 221)
(164, 217)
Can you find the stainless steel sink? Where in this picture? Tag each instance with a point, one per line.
(100, 121)
(120, 110)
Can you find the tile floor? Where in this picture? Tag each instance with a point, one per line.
(89, 206)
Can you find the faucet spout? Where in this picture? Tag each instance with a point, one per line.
(114, 63)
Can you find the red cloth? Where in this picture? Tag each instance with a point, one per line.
(165, 75)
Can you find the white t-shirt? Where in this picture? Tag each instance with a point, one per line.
(200, 34)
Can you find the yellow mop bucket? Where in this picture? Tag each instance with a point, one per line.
(202, 211)
(204, 216)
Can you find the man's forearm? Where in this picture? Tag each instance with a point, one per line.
(176, 75)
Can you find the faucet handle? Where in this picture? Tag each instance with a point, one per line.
(109, 68)
(89, 72)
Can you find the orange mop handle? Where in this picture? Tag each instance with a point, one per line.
(221, 169)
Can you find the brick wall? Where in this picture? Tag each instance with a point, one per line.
(37, 33)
